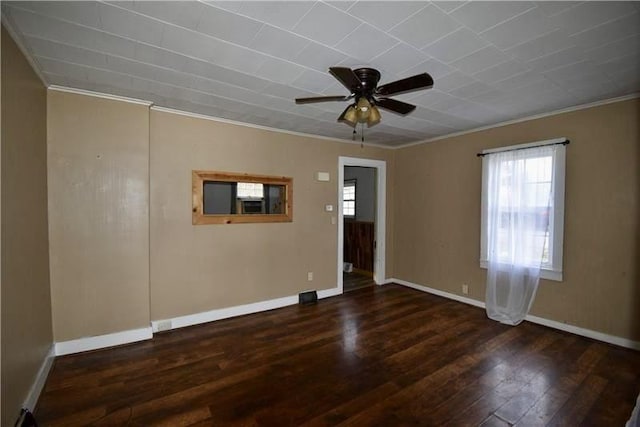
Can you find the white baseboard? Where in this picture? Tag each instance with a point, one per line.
(238, 310)
(41, 378)
(438, 292)
(102, 341)
(600, 336)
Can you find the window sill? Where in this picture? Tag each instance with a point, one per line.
(545, 273)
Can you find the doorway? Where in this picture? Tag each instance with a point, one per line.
(361, 222)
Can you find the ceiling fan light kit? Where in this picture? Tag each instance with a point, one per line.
(362, 84)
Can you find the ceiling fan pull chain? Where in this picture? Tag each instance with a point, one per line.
(362, 133)
(353, 137)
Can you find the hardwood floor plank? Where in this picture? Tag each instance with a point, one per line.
(382, 355)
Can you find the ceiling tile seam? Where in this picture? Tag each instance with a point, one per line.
(429, 58)
(573, 6)
(256, 126)
(511, 55)
(450, 11)
(304, 15)
(508, 19)
(165, 49)
(213, 37)
(504, 51)
(346, 37)
(7, 20)
(526, 119)
(290, 31)
(409, 17)
(633, 36)
(255, 36)
(180, 87)
(111, 55)
(362, 21)
(617, 18)
(554, 52)
(99, 30)
(520, 63)
(389, 49)
(446, 35)
(478, 34)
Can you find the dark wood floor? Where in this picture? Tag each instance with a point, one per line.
(383, 356)
(356, 280)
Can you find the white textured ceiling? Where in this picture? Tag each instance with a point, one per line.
(247, 60)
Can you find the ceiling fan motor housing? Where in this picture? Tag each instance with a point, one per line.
(369, 78)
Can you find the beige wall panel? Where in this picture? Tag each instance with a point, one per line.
(98, 214)
(437, 216)
(26, 301)
(205, 267)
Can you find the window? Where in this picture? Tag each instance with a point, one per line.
(235, 198)
(536, 177)
(250, 190)
(349, 199)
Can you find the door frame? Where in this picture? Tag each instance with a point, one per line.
(380, 220)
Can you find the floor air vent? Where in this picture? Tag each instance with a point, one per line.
(310, 297)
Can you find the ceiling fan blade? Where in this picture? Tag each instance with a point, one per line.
(417, 82)
(395, 106)
(347, 77)
(321, 99)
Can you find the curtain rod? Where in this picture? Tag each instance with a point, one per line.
(565, 142)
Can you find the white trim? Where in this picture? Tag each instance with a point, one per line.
(379, 274)
(261, 127)
(524, 119)
(39, 381)
(556, 226)
(600, 336)
(155, 107)
(234, 122)
(102, 341)
(238, 310)
(99, 95)
(544, 273)
(438, 292)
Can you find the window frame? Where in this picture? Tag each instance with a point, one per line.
(198, 178)
(348, 183)
(554, 269)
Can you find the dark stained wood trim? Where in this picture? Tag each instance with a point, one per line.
(383, 355)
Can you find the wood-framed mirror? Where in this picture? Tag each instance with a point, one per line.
(235, 198)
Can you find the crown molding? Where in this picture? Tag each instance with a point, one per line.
(155, 107)
(261, 127)
(525, 119)
(65, 89)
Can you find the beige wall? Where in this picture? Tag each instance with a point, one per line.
(205, 267)
(437, 216)
(98, 211)
(98, 215)
(26, 302)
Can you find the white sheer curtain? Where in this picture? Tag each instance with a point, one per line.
(519, 186)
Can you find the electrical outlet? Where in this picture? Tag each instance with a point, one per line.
(465, 289)
(310, 276)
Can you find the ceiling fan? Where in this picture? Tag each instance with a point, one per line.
(362, 84)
